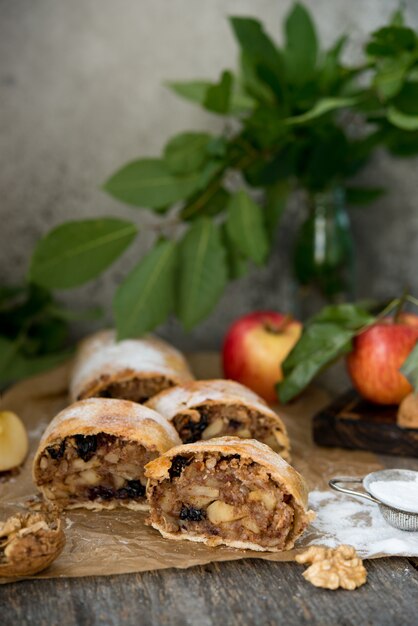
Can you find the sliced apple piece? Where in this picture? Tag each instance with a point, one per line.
(14, 443)
(219, 512)
(266, 497)
(250, 524)
(213, 429)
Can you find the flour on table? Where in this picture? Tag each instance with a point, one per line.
(341, 519)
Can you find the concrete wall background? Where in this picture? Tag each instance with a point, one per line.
(81, 94)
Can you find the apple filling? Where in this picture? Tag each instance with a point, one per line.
(94, 471)
(223, 499)
(217, 420)
(135, 389)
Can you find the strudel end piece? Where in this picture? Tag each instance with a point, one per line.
(230, 491)
(92, 454)
(204, 409)
(131, 369)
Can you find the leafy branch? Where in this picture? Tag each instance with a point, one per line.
(328, 336)
(289, 114)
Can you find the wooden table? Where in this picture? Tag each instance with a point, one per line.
(231, 593)
(238, 592)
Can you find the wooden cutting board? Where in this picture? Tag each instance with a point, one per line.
(352, 422)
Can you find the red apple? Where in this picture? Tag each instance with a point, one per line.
(255, 347)
(377, 356)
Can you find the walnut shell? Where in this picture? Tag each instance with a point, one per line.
(331, 568)
(29, 543)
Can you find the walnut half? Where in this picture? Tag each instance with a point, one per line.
(331, 568)
(29, 543)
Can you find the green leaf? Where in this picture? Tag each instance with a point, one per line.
(75, 252)
(193, 90)
(402, 143)
(8, 351)
(363, 195)
(397, 18)
(16, 366)
(391, 41)
(402, 120)
(301, 48)
(10, 296)
(149, 183)
(407, 99)
(246, 227)
(218, 96)
(318, 347)
(410, 367)
(350, 316)
(146, 296)
(390, 76)
(70, 315)
(241, 103)
(186, 152)
(237, 263)
(256, 44)
(320, 108)
(252, 83)
(203, 272)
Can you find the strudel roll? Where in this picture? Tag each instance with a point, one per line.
(92, 454)
(131, 369)
(204, 409)
(230, 491)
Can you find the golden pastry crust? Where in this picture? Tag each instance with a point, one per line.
(121, 422)
(234, 410)
(104, 364)
(263, 461)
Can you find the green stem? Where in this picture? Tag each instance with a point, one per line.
(394, 303)
(213, 187)
(412, 300)
(401, 305)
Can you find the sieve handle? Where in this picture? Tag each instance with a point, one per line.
(335, 483)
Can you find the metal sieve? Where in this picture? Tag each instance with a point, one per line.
(399, 518)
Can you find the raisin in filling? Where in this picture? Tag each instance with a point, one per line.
(227, 498)
(88, 468)
(217, 420)
(177, 465)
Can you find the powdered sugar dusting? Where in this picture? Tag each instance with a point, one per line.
(190, 395)
(92, 411)
(101, 354)
(341, 519)
(401, 494)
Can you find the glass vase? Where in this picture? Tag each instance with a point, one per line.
(324, 253)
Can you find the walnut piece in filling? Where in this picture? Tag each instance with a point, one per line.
(94, 471)
(216, 420)
(29, 543)
(331, 568)
(134, 389)
(229, 499)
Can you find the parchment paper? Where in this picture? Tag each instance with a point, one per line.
(116, 542)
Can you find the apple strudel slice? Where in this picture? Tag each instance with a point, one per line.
(92, 455)
(204, 409)
(131, 369)
(230, 491)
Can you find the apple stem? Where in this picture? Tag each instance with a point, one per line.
(401, 305)
(278, 328)
(388, 308)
